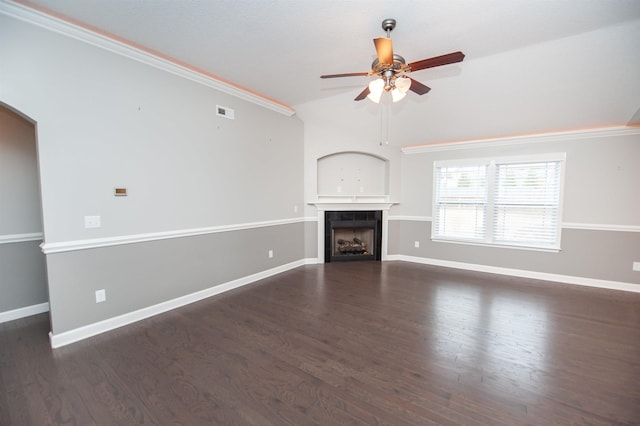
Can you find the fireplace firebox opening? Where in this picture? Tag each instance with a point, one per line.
(353, 235)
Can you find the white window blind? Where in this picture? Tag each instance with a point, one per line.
(461, 198)
(511, 202)
(527, 201)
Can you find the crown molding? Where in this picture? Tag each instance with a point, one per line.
(86, 35)
(602, 132)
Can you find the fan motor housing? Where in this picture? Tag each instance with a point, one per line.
(399, 65)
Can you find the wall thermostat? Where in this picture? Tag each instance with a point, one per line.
(225, 112)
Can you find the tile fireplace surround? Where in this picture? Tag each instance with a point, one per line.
(352, 235)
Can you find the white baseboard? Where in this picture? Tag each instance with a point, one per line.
(71, 336)
(566, 279)
(27, 311)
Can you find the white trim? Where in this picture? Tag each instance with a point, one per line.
(564, 225)
(507, 246)
(351, 199)
(566, 279)
(60, 26)
(601, 227)
(75, 335)
(20, 238)
(49, 248)
(349, 206)
(27, 311)
(604, 132)
(412, 218)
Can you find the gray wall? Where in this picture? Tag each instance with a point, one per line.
(22, 272)
(105, 120)
(601, 217)
(23, 280)
(136, 276)
(600, 255)
(311, 239)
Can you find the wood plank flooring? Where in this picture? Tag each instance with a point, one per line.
(362, 343)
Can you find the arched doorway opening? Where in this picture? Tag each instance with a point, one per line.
(24, 280)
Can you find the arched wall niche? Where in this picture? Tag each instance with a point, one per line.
(352, 173)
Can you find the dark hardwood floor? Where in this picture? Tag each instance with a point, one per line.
(344, 343)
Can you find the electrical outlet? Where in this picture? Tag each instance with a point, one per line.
(636, 266)
(92, 222)
(416, 244)
(101, 296)
(270, 254)
(295, 208)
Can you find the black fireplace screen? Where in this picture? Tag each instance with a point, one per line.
(353, 235)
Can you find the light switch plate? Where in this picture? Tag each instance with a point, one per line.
(101, 296)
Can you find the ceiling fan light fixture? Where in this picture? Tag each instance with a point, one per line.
(376, 87)
(403, 84)
(397, 94)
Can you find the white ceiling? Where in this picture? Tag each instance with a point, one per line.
(279, 48)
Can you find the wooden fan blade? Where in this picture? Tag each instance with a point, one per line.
(384, 48)
(437, 61)
(363, 94)
(349, 74)
(418, 87)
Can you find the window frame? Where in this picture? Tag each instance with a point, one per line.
(489, 238)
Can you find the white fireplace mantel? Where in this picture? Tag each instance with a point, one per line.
(352, 203)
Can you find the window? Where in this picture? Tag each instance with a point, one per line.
(507, 202)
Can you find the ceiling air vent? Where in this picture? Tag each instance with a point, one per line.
(225, 112)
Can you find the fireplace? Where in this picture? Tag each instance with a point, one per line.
(352, 235)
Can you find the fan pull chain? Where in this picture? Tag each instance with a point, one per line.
(384, 125)
(386, 139)
(381, 127)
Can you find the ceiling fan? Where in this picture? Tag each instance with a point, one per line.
(392, 69)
